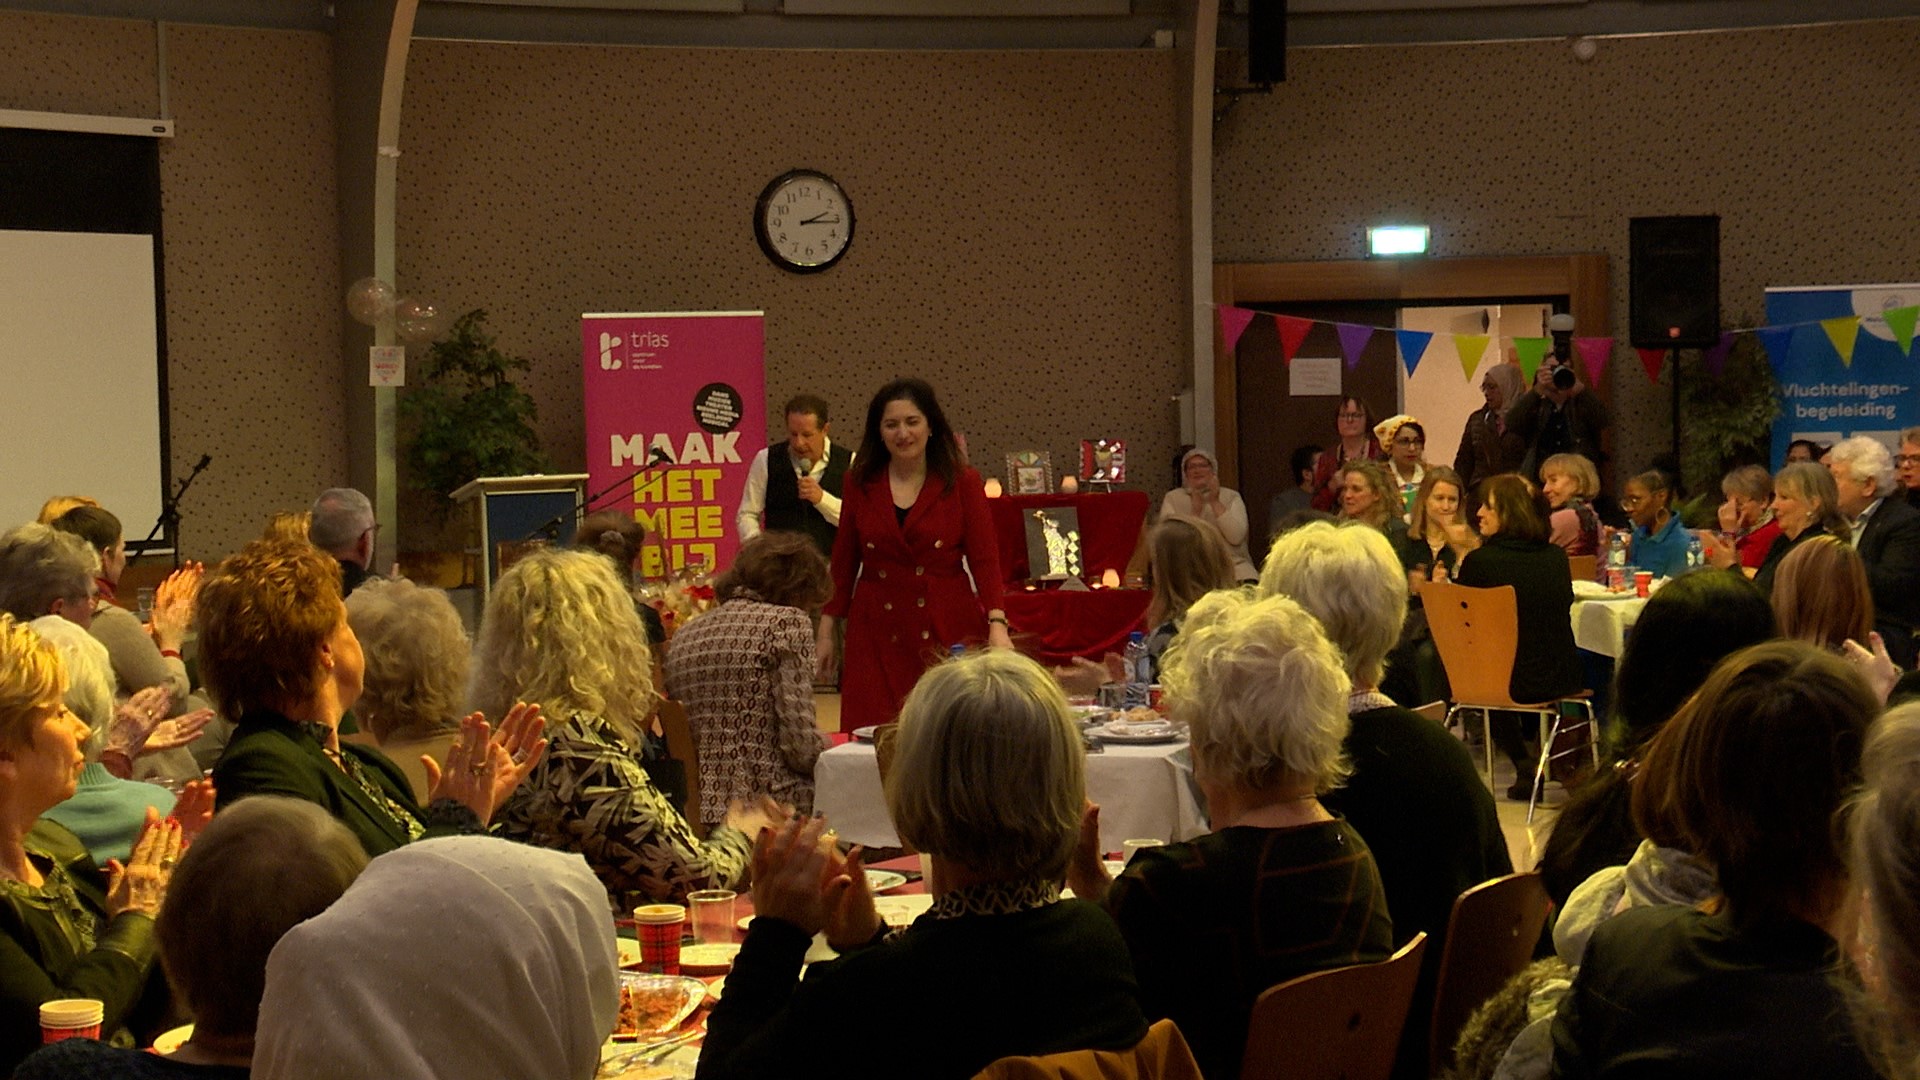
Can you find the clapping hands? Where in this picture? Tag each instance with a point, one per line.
(485, 766)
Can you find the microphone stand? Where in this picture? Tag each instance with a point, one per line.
(170, 513)
(550, 530)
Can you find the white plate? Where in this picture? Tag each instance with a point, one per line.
(629, 952)
(881, 880)
(865, 734)
(1115, 866)
(900, 911)
(169, 1041)
(709, 959)
(1159, 732)
(742, 923)
(717, 987)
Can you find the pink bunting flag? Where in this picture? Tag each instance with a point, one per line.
(1293, 331)
(1233, 323)
(1594, 353)
(1353, 340)
(1653, 360)
(1715, 355)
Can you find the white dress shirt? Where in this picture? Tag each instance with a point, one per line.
(753, 501)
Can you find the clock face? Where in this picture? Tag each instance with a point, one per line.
(804, 222)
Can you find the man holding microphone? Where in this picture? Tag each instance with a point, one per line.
(803, 493)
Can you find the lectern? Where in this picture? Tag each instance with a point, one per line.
(505, 511)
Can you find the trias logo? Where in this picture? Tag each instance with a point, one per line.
(638, 350)
(608, 343)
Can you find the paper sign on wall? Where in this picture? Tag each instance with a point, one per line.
(1314, 376)
(387, 365)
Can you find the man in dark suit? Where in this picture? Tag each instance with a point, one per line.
(1886, 533)
(795, 484)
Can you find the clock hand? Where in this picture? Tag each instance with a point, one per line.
(821, 218)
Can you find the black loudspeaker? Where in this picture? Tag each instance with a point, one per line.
(1266, 41)
(1674, 283)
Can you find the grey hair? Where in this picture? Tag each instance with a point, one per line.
(1262, 690)
(1867, 459)
(988, 767)
(1748, 481)
(40, 564)
(416, 649)
(90, 679)
(340, 515)
(1910, 435)
(1348, 577)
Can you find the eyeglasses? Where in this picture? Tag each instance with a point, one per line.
(1409, 442)
(1628, 502)
(1352, 416)
(1906, 459)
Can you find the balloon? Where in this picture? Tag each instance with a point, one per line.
(369, 300)
(418, 321)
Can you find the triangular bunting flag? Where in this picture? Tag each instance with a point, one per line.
(1471, 348)
(1293, 331)
(1353, 339)
(1901, 321)
(1532, 350)
(1715, 355)
(1233, 323)
(1413, 345)
(1653, 360)
(1776, 340)
(1841, 332)
(1594, 353)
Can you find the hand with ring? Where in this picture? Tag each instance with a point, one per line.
(141, 884)
(483, 766)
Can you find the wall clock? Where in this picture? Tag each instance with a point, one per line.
(804, 221)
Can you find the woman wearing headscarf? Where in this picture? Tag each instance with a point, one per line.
(1405, 439)
(1200, 496)
(461, 956)
(1487, 448)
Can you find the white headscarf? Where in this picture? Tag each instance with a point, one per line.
(451, 958)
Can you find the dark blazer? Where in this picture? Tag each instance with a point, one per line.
(1486, 450)
(1783, 546)
(1587, 422)
(1546, 665)
(1890, 546)
(272, 755)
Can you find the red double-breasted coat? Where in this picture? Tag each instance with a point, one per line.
(903, 589)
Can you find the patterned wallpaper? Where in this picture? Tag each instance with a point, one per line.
(1019, 239)
(1793, 136)
(251, 262)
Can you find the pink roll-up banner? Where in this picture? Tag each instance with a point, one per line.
(686, 389)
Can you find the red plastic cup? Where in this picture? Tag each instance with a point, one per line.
(658, 926)
(1642, 582)
(71, 1018)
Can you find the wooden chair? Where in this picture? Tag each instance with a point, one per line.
(1162, 1055)
(1477, 632)
(1491, 937)
(682, 748)
(1584, 567)
(1341, 1024)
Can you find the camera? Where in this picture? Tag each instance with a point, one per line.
(1563, 377)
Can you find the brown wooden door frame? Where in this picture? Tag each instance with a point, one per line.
(1582, 279)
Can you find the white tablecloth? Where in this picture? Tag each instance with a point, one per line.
(1601, 626)
(1143, 791)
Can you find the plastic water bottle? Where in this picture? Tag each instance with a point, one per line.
(1696, 554)
(1138, 673)
(1617, 549)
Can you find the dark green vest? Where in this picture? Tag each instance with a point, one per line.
(787, 510)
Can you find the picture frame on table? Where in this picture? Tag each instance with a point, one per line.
(1103, 461)
(1029, 472)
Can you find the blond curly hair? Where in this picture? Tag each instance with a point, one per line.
(561, 631)
(31, 678)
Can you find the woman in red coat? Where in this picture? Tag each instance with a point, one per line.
(911, 512)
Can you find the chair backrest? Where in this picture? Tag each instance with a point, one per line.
(1491, 937)
(682, 748)
(1435, 711)
(1340, 1024)
(1477, 632)
(1583, 567)
(1162, 1055)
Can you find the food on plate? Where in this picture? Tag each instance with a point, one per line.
(651, 1008)
(1139, 715)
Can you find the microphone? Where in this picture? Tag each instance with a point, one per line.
(660, 457)
(205, 460)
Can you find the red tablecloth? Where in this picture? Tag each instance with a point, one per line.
(1069, 624)
(1109, 529)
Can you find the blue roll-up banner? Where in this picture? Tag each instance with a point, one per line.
(1825, 399)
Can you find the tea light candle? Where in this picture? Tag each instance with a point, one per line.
(1110, 578)
(1069, 484)
(992, 487)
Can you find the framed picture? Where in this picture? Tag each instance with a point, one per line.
(1053, 543)
(1103, 461)
(1029, 472)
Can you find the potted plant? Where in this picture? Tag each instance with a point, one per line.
(466, 418)
(1729, 417)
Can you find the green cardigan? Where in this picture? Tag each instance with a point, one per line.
(272, 755)
(44, 955)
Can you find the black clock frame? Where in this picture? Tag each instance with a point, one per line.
(760, 221)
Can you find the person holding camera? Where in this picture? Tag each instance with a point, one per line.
(1558, 416)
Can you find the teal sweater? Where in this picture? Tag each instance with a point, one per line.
(107, 813)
